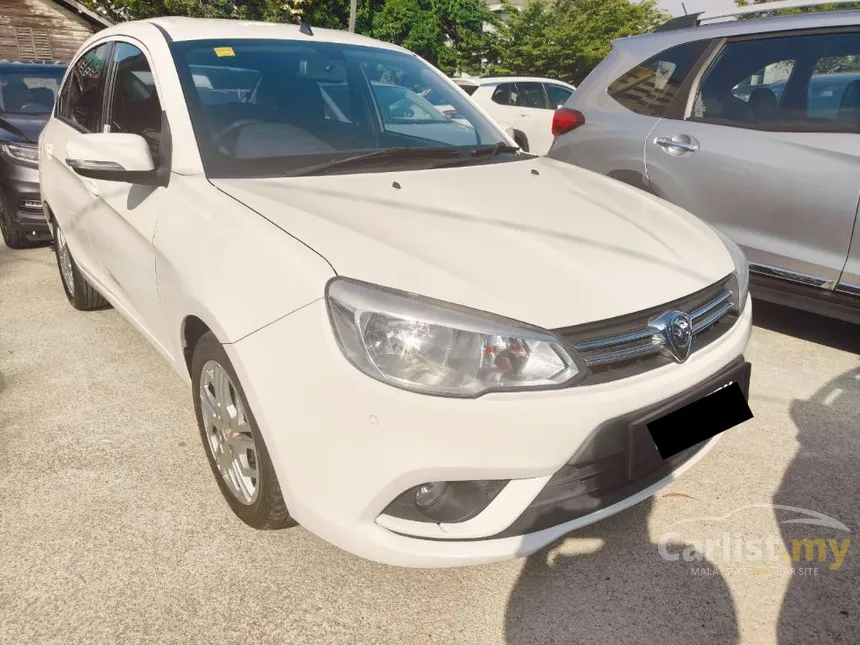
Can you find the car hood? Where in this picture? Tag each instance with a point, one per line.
(29, 125)
(536, 240)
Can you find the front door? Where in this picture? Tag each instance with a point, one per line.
(769, 152)
(121, 231)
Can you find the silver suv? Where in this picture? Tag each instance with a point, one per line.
(754, 126)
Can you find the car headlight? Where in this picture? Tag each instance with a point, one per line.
(742, 269)
(433, 347)
(21, 154)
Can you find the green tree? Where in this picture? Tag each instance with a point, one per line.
(331, 13)
(565, 39)
(448, 33)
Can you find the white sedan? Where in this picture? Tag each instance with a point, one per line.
(409, 336)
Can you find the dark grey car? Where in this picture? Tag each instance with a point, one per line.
(752, 125)
(27, 95)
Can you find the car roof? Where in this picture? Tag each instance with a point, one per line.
(725, 28)
(183, 29)
(492, 80)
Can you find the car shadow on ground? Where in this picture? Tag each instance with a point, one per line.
(623, 592)
(822, 603)
(807, 326)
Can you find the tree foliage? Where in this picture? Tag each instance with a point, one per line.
(331, 13)
(560, 38)
(567, 38)
(448, 33)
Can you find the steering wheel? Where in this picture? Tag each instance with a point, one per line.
(222, 134)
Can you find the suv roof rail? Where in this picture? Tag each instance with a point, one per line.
(695, 19)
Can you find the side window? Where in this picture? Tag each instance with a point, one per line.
(650, 87)
(805, 83)
(833, 76)
(407, 116)
(558, 95)
(81, 98)
(505, 94)
(532, 96)
(134, 104)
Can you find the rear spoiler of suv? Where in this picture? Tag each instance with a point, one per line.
(695, 19)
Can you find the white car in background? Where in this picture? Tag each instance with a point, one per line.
(419, 342)
(526, 103)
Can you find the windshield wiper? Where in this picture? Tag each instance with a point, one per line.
(492, 151)
(486, 153)
(377, 155)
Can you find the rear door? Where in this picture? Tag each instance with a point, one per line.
(526, 107)
(621, 105)
(770, 155)
(557, 95)
(535, 113)
(79, 110)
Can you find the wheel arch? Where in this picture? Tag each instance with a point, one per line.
(193, 329)
(633, 178)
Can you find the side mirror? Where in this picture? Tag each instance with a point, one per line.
(112, 157)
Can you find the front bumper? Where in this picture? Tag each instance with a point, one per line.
(19, 190)
(344, 445)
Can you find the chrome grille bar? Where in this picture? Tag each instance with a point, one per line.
(628, 346)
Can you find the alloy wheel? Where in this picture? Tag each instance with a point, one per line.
(228, 433)
(65, 258)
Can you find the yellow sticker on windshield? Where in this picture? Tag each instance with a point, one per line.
(224, 51)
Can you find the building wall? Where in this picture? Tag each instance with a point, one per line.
(40, 30)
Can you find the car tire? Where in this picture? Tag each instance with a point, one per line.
(232, 440)
(80, 293)
(521, 140)
(12, 236)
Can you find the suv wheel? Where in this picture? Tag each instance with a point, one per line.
(13, 238)
(79, 292)
(234, 446)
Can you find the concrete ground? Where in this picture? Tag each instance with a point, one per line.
(112, 529)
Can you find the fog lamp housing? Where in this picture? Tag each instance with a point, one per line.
(445, 502)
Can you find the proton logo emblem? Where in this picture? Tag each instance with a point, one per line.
(675, 330)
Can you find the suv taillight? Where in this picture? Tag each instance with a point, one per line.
(564, 120)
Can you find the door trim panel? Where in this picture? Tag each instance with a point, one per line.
(848, 288)
(792, 276)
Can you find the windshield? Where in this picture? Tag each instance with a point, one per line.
(273, 107)
(30, 91)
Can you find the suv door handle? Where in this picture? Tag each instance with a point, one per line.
(676, 143)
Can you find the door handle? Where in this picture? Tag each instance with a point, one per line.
(678, 142)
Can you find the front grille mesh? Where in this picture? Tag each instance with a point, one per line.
(627, 346)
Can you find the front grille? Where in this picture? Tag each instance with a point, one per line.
(626, 346)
